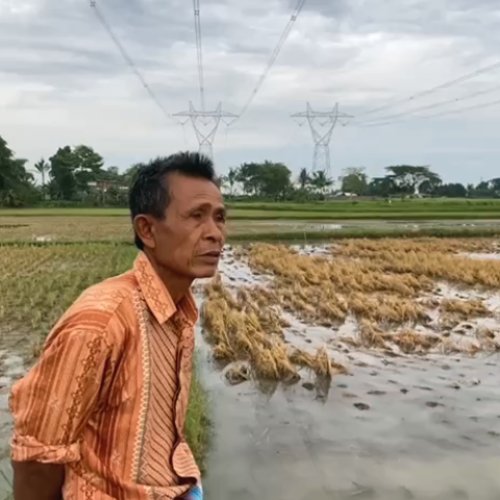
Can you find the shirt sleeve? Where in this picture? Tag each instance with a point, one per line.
(53, 402)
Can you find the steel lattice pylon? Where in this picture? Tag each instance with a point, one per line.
(205, 125)
(322, 124)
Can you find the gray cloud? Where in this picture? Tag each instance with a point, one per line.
(62, 79)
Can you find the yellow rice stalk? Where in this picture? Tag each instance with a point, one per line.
(370, 335)
(414, 342)
(465, 308)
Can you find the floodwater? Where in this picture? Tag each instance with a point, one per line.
(422, 428)
(11, 368)
(398, 429)
(416, 428)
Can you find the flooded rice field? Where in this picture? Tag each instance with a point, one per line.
(40, 229)
(361, 370)
(422, 424)
(425, 429)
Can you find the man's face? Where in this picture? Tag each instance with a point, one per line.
(190, 239)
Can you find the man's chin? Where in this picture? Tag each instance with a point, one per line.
(205, 272)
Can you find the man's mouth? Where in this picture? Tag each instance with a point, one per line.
(215, 255)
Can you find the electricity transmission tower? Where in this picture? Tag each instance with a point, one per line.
(206, 124)
(322, 124)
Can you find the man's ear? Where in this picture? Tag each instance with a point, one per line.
(144, 228)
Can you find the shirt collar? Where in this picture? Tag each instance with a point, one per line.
(158, 297)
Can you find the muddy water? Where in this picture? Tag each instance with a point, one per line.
(411, 429)
(11, 368)
(393, 429)
(422, 428)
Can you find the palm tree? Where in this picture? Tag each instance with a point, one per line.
(232, 177)
(321, 181)
(42, 166)
(304, 179)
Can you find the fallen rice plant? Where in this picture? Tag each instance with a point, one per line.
(465, 309)
(367, 247)
(386, 285)
(413, 342)
(241, 331)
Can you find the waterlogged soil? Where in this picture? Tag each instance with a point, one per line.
(12, 367)
(396, 427)
(411, 429)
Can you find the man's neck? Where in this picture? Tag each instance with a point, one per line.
(177, 286)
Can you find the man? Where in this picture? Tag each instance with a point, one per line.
(101, 415)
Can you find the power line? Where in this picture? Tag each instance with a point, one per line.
(433, 105)
(274, 55)
(199, 50)
(435, 115)
(100, 16)
(442, 86)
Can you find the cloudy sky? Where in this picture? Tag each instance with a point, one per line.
(63, 81)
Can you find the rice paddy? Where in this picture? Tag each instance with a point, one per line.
(392, 297)
(397, 339)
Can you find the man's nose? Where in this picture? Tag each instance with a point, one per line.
(214, 232)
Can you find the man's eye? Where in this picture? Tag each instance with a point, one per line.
(197, 215)
(221, 217)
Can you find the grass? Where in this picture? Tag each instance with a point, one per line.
(37, 285)
(198, 425)
(310, 235)
(426, 209)
(78, 229)
(367, 205)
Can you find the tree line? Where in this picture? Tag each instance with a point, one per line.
(73, 175)
(77, 176)
(274, 181)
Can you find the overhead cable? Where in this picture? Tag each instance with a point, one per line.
(199, 51)
(435, 115)
(435, 105)
(274, 55)
(102, 19)
(442, 86)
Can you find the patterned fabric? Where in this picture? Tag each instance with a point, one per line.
(109, 394)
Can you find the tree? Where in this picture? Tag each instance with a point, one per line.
(63, 185)
(453, 190)
(232, 177)
(381, 186)
(408, 179)
(131, 173)
(72, 171)
(304, 179)
(494, 185)
(321, 181)
(112, 173)
(16, 183)
(88, 167)
(482, 190)
(355, 181)
(268, 179)
(43, 167)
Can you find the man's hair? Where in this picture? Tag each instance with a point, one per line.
(149, 193)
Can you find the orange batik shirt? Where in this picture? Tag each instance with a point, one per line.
(109, 395)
